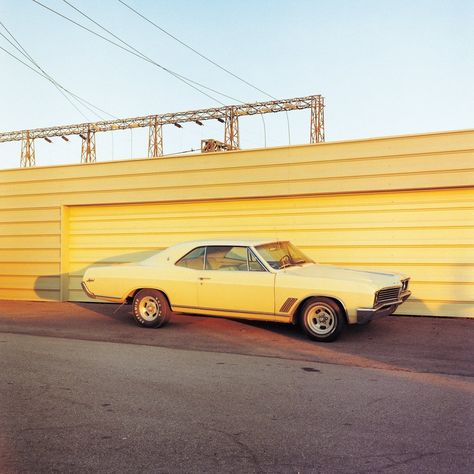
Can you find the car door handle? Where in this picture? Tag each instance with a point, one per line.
(204, 278)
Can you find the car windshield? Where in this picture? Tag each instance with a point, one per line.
(282, 254)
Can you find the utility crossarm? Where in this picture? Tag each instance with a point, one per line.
(168, 118)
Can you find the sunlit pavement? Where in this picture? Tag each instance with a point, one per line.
(96, 393)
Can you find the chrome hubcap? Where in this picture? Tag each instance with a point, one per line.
(149, 308)
(321, 319)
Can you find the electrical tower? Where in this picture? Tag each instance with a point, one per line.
(228, 115)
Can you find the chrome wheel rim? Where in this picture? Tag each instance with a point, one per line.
(321, 319)
(149, 308)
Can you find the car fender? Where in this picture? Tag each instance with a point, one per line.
(131, 294)
(301, 301)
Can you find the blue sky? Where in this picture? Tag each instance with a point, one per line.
(384, 67)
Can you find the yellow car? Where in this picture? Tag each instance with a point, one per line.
(249, 279)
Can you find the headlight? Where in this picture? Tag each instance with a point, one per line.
(405, 284)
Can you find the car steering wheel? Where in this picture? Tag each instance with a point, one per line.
(284, 261)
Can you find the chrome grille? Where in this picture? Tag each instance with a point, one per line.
(387, 294)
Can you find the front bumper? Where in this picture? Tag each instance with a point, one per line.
(365, 315)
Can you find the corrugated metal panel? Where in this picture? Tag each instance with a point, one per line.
(427, 234)
(414, 162)
(29, 253)
(350, 219)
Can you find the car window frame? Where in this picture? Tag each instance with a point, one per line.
(276, 270)
(250, 249)
(230, 246)
(176, 264)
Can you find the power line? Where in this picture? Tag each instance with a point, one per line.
(47, 76)
(29, 67)
(194, 50)
(140, 55)
(212, 62)
(191, 150)
(132, 50)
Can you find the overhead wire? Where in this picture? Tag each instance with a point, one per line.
(48, 79)
(143, 55)
(131, 50)
(191, 83)
(194, 50)
(134, 51)
(149, 59)
(206, 58)
(58, 86)
(28, 66)
(182, 152)
(63, 90)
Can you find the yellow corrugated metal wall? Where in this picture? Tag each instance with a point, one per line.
(402, 203)
(29, 248)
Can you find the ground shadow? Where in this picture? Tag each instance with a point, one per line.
(395, 341)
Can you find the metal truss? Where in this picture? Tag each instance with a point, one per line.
(231, 129)
(27, 150)
(88, 154)
(317, 120)
(228, 115)
(155, 138)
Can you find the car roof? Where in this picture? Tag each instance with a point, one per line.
(177, 251)
(234, 242)
(185, 247)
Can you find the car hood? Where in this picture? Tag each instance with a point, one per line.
(315, 270)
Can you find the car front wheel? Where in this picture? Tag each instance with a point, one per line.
(322, 319)
(151, 308)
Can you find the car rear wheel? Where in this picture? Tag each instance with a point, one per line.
(322, 319)
(151, 308)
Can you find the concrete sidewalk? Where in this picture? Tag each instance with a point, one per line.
(411, 344)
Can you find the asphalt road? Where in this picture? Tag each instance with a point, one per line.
(82, 389)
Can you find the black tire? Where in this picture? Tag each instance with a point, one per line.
(151, 309)
(322, 319)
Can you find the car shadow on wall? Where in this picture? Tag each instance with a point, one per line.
(47, 285)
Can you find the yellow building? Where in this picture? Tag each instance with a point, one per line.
(401, 203)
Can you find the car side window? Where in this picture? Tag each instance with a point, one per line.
(254, 264)
(193, 259)
(226, 258)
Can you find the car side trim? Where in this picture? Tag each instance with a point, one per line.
(177, 306)
(94, 296)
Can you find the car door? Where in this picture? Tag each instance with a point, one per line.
(235, 283)
(185, 279)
